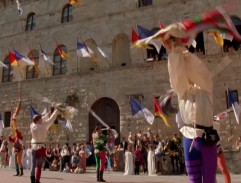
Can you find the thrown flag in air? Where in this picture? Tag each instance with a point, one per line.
(235, 105)
(138, 110)
(19, 7)
(20, 57)
(159, 112)
(46, 57)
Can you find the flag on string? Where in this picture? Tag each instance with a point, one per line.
(235, 105)
(20, 57)
(46, 57)
(138, 110)
(82, 50)
(159, 112)
(63, 54)
(145, 33)
(71, 2)
(68, 125)
(12, 58)
(19, 7)
(1, 123)
(3, 65)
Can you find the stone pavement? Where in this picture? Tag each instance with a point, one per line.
(6, 176)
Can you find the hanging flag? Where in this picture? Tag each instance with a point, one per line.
(145, 33)
(68, 125)
(63, 54)
(12, 58)
(36, 65)
(1, 123)
(82, 50)
(20, 57)
(235, 105)
(138, 110)
(71, 2)
(159, 112)
(134, 37)
(46, 57)
(19, 7)
(3, 65)
(102, 52)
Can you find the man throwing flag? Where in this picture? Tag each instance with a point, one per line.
(39, 128)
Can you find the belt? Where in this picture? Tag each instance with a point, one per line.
(205, 128)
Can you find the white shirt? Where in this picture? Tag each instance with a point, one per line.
(39, 131)
(195, 101)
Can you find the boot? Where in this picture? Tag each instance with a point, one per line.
(98, 175)
(17, 173)
(21, 172)
(101, 176)
(32, 178)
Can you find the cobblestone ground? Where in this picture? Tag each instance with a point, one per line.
(6, 176)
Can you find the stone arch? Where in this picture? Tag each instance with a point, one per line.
(108, 110)
(121, 50)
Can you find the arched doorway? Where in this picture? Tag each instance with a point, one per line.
(108, 110)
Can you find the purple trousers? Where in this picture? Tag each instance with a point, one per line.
(201, 161)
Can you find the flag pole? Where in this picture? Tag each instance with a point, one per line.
(77, 57)
(44, 61)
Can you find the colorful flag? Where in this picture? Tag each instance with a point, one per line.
(138, 110)
(159, 112)
(134, 37)
(20, 57)
(68, 125)
(145, 33)
(19, 7)
(71, 2)
(63, 54)
(46, 57)
(217, 37)
(235, 105)
(1, 123)
(82, 50)
(3, 65)
(12, 58)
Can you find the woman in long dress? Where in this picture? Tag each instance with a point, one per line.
(151, 166)
(129, 162)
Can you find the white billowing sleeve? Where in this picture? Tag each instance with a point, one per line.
(47, 123)
(184, 66)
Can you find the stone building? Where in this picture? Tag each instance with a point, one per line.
(103, 84)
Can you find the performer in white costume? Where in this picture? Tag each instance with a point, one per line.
(129, 162)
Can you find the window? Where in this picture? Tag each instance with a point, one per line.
(67, 13)
(233, 44)
(7, 72)
(31, 70)
(7, 119)
(142, 3)
(60, 64)
(30, 25)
